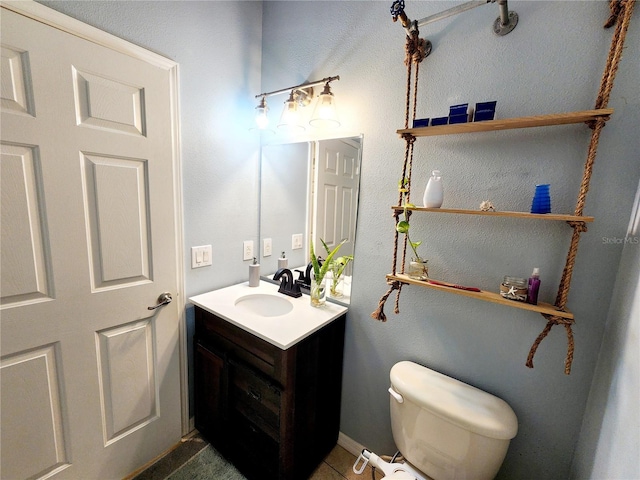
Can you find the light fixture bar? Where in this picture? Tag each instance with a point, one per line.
(302, 86)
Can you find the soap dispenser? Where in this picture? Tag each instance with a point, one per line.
(433, 194)
(283, 262)
(254, 273)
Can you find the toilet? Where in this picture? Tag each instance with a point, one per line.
(445, 429)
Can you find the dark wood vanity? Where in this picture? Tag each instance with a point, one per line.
(274, 413)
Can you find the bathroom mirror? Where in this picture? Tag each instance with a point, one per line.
(309, 190)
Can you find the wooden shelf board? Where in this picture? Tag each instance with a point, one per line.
(510, 123)
(484, 295)
(533, 216)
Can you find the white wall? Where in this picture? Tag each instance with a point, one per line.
(609, 444)
(552, 62)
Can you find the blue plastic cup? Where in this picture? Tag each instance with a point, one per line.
(541, 199)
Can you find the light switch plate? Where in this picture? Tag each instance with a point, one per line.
(266, 247)
(201, 256)
(296, 241)
(247, 250)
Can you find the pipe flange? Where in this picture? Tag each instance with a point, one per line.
(500, 29)
(427, 48)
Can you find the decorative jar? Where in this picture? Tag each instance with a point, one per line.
(514, 288)
(418, 269)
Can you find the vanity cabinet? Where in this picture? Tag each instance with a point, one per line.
(274, 413)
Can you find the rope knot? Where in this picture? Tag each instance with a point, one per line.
(615, 6)
(578, 226)
(410, 139)
(551, 321)
(378, 314)
(415, 48)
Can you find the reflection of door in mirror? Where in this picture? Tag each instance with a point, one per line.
(337, 177)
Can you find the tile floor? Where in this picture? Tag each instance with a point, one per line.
(336, 466)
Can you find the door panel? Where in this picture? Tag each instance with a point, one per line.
(90, 376)
(127, 378)
(338, 177)
(33, 411)
(116, 206)
(24, 251)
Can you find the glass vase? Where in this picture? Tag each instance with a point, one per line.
(318, 293)
(336, 289)
(418, 269)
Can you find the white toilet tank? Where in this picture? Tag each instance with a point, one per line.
(448, 429)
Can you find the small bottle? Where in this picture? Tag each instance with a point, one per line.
(283, 262)
(254, 273)
(533, 287)
(433, 194)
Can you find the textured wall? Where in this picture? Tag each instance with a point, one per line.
(552, 62)
(609, 443)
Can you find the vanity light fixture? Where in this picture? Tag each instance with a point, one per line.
(324, 113)
(290, 118)
(262, 120)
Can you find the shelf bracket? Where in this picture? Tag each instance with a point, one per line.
(503, 25)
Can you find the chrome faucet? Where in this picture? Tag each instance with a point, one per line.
(287, 284)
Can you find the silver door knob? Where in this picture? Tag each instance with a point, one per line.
(163, 299)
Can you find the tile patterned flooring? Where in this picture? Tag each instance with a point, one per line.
(336, 466)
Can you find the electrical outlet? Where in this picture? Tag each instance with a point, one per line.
(200, 256)
(296, 241)
(266, 247)
(247, 250)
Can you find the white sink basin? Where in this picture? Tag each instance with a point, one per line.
(280, 320)
(264, 305)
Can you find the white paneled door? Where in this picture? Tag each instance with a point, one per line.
(90, 377)
(336, 197)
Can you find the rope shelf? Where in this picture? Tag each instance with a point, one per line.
(416, 50)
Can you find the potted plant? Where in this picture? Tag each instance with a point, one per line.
(418, 266)
(337, 269)
(318, 291)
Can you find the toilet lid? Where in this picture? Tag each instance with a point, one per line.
(457, 402)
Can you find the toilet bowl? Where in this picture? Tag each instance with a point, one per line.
(445, 429)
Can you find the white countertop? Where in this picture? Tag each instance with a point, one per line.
(282, 331)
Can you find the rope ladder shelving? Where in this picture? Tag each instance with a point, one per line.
(556, 314)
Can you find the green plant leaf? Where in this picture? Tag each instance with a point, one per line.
(321, 270)
(402, 226)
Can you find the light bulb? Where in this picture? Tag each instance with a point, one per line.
(262, 120)
(325, 114)
(289, 120)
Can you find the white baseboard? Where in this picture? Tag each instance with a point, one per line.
(350, 445)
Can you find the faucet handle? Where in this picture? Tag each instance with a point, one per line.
(287, 285)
